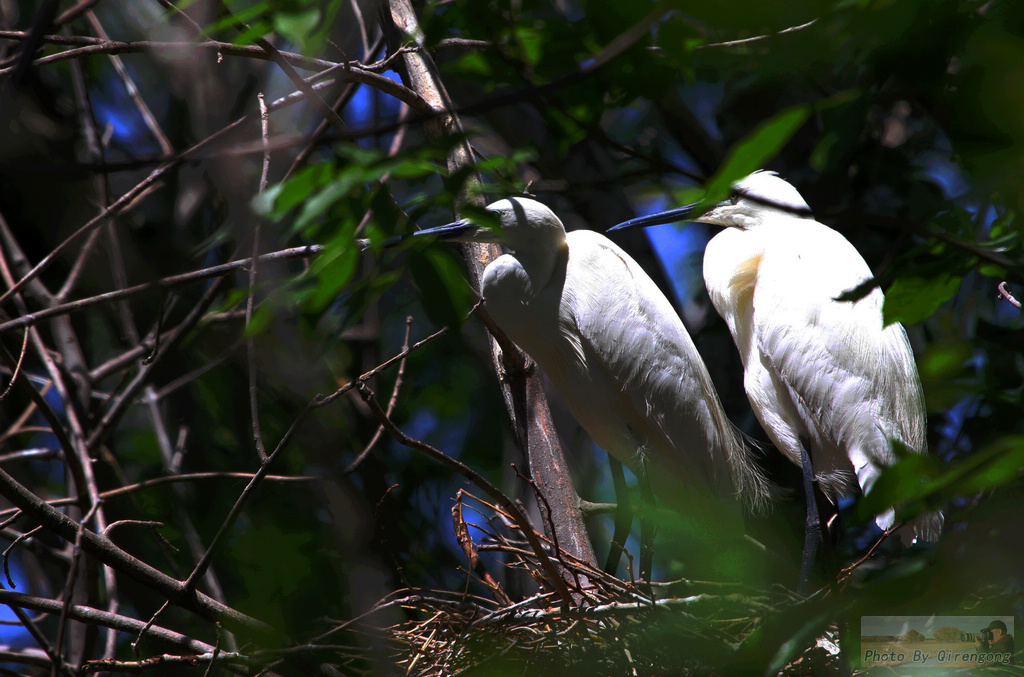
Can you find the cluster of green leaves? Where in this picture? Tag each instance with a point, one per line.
(305, 23)
(325, 203)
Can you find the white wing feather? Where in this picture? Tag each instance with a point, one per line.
(854, 385)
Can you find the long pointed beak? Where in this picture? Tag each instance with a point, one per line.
(685, 213)
(449, 231)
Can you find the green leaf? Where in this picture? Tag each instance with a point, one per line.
(1005, 224)
(532, 42)
(334, 280)
(333, 271)
(754, 151)
(917, 477)
(262, 316)
(943, 360)
(444, 291)
(819, 159)
(482, 217)
(277, 200)
(992, 270)
(317, 205)
(473, 63)
(913, 299)
(297, 26)
(388, 216)
(507, 162)
(231, 299)
(409, 168)
(244, 15)
(908, 481)
(1000, 463)
(256, 30)
(773, 644)
(263, 203)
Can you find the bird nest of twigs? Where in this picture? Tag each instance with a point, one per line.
(605, 626)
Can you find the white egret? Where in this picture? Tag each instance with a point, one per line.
(817, 370)
(618, 354)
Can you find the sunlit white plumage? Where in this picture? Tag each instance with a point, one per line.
(617, 353)
(815, 367)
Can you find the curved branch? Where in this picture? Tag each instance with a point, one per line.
(87, 614)
(553, 575)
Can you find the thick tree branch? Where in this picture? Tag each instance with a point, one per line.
(86, 614)
(520, 384)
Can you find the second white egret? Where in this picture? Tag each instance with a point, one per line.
(818, 371)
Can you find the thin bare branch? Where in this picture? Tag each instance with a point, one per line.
(55, 423)
(391, 402)
(9, 549)
(250, 303)
(123, 523)
(133, 91)
(329, 114)
(91, 225)
(17, 367)
(357, 12)
(69, 586)
(87, 123)
(143, 665)
(243, 498)
(221, 270)
(314, 140)
(462, 43)
(74, 12)
(476, 564)
(265, 136)
(378, 369)
(758, 38)
(118, 405)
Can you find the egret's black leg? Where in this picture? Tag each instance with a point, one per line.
(647, 530)
(819, 514)
(623, 516)
(812, 527)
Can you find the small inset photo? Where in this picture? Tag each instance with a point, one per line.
(935, 641)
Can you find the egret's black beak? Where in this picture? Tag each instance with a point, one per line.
(685, 213)
(448, 231)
